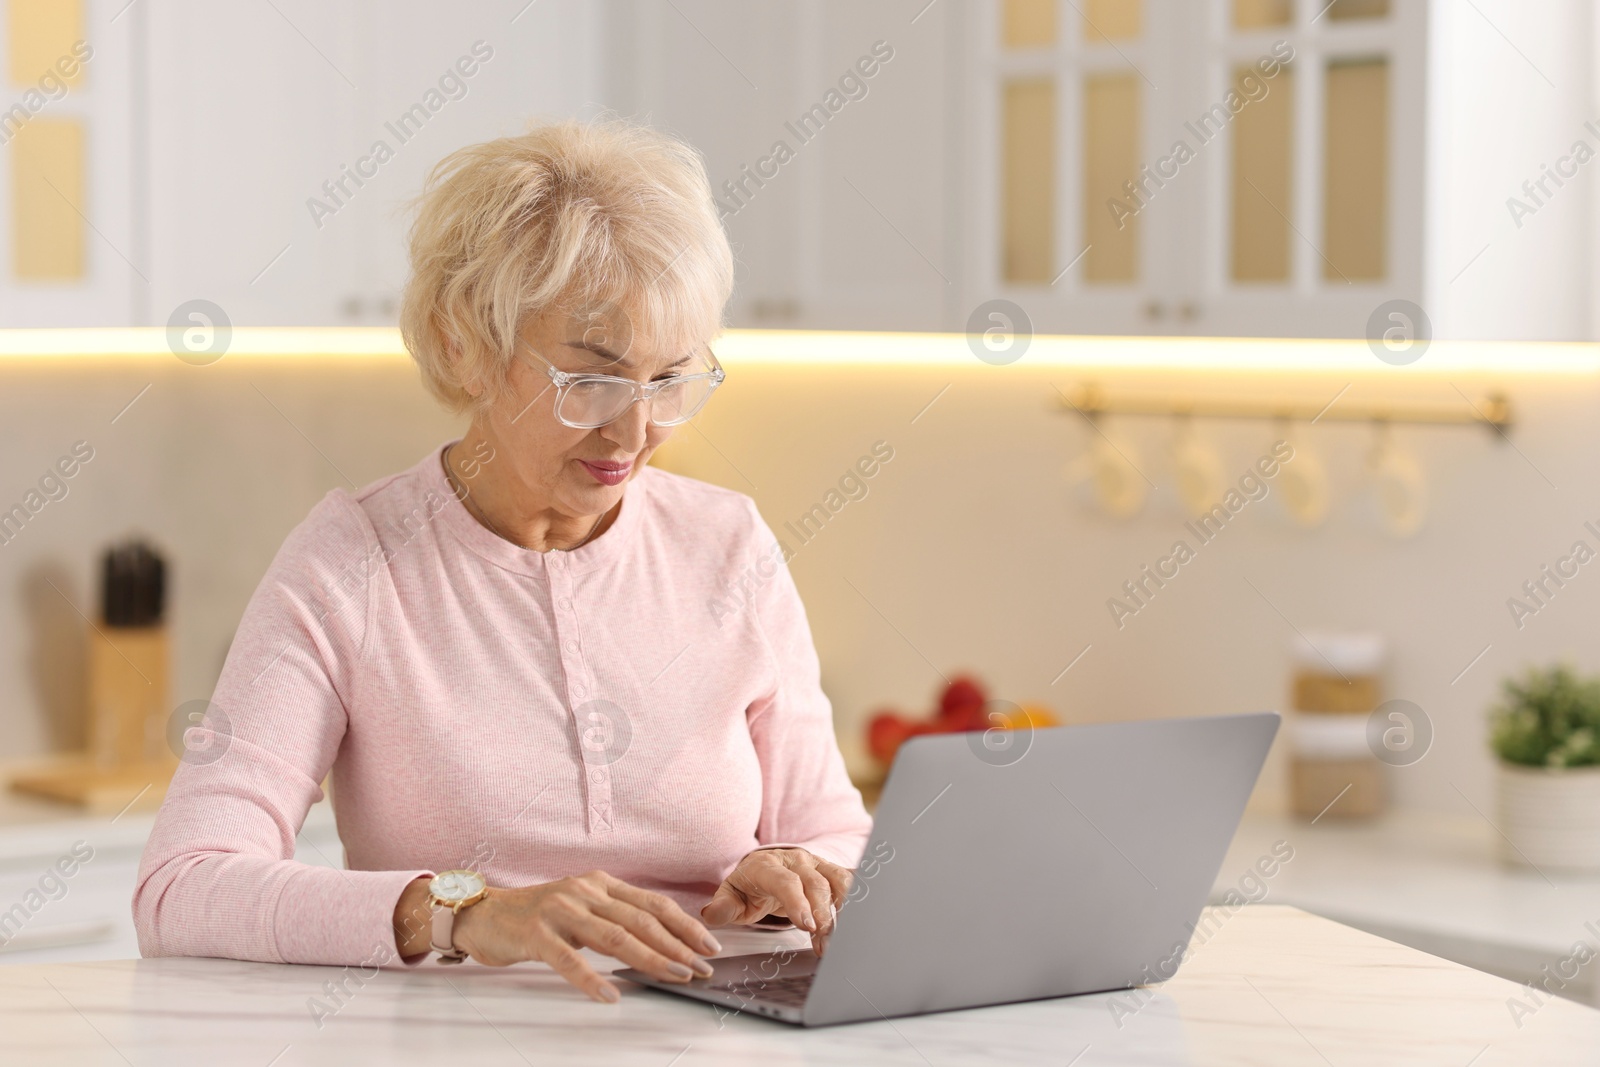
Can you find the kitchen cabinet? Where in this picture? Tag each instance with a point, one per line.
(1025, 149)
(224, 148)
(73, 237)
(977, 160)
(848, 226)
(1223, 167)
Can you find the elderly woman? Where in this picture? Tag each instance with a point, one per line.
(539, 735)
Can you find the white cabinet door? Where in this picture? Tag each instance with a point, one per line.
(825, 128)
(273, 198)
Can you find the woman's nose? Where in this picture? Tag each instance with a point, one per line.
(628, 430)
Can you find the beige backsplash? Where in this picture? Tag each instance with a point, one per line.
(968, 550)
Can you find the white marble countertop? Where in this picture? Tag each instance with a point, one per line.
(1429, 881)
(93, 919)
(1272, 986)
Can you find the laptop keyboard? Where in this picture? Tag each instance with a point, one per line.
(788, 992)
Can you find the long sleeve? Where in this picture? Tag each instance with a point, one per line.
(807, 798)
(218, 876)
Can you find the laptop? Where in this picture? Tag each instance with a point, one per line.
(1017, 866)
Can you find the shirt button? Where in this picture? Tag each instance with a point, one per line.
(578, 689)
(571, 646)
(597, 776)
(566, 603)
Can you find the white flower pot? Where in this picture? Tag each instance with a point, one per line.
(1550, 818)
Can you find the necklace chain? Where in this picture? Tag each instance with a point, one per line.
(464, 495)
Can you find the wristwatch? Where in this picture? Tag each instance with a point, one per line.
(449, 892)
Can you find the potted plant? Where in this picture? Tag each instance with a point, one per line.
(1546, 732)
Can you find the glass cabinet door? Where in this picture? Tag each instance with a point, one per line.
(73, 254)
(1070, 97)
(1243, 167)
(1314, 213)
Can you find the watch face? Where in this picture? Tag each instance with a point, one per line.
(456, 885)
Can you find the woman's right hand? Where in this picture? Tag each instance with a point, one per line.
(550, 922)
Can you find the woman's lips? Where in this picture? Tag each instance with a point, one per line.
(608, 472)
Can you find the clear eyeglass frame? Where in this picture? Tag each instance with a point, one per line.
(583, 399)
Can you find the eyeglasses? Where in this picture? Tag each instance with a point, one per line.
(589, 401)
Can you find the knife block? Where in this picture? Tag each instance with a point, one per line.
(127, 758)
(128, 763)
(127, 695)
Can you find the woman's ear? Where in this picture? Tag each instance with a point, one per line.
(473, 386)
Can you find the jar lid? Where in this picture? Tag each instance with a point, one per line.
(1348, 652)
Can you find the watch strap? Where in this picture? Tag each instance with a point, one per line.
(443, 941)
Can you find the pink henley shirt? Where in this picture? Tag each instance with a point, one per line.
(648, 704)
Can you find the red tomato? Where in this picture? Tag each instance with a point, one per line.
(885, 733)
(961, 698)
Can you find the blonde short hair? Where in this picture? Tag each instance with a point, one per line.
(571, 215)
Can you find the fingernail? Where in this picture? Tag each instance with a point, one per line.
(807, 922)
(703, 969)
(609, 994)
(678, 970)
(713, 946)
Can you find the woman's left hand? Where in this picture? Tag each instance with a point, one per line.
(781, 881)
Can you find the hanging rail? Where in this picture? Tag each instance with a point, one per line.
(1492, 411)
